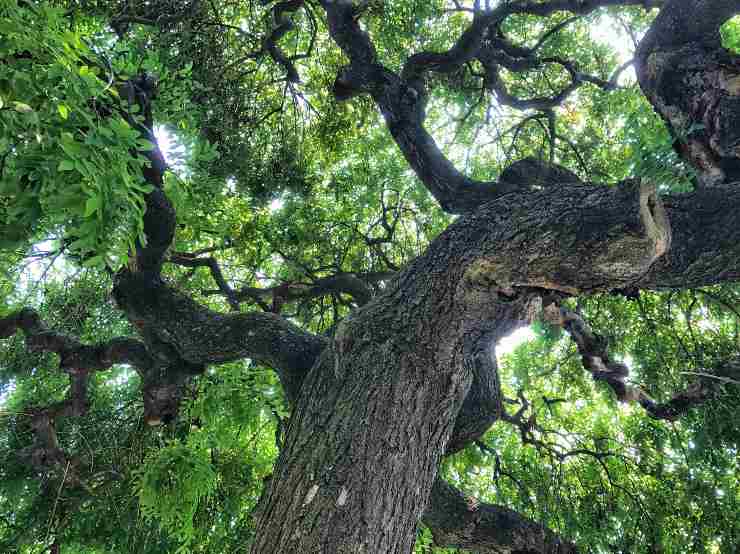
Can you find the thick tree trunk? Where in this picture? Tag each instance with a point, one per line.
(375, 414)
(377, 411)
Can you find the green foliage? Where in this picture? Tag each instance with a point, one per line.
(66, 149)
(731, 34)
(284, 185)
(604, 472)
(651, 152)
(171, 483)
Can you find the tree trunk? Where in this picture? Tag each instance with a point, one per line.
(377, 411)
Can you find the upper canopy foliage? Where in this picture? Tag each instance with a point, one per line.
(288, 188)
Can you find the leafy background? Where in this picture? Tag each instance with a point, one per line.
(287, 186)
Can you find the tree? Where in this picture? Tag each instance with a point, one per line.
(347, 324)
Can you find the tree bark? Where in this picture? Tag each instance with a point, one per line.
(410, 376)
(461, 521)
(694, 84)
(377, 412)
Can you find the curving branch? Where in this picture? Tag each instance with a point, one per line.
(492, 63)
(461, 521)
(356, 285)
(73, 355)
(470, 43)
(45, 455)
(402, 106)
(482, 405)
(594, 352)
(176, 324)
(401, 98)
(694, 84)
(78, 360)
(187, 259)
(151, 15)
(159, 217)
(282, 26)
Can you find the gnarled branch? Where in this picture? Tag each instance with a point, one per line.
(200, 336)
(461, 521)
(594, 352)
(74, 355)
(402, 98)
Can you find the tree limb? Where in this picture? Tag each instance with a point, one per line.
(187, 260)
(201, 336)
(596, 359)
(73, 355)
(354, 284)
(402, 98)
(460, 521)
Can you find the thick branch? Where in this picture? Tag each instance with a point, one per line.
(460, 521)
(402, 106)
(694, 84)
(482, 406)
(159, 217)
(201, 336)
(73, 354)
(78, 360)
(45, 454)
(705, 249)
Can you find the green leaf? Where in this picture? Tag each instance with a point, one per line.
(145, 145)
(92, 205)
(22, 108)
(66, 165)
(63, 111)
(95, 261)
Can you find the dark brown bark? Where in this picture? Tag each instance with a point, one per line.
(411, 376)
(73, 354)
(694, 83)
(374, 415)
(181, 329)
(705, 247)
(378, 410)
(462, 521)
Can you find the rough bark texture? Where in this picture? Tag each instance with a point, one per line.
(705, 246)
(694, 83)
(377, 412)
(461, 521)
(181, 329)
(411, 374)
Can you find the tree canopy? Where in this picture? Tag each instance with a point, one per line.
(369, 276)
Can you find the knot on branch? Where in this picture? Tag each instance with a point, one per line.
(534, 173)
(350, 82)
(642, 236)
